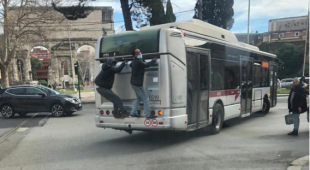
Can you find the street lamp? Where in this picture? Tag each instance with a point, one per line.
(72, 65)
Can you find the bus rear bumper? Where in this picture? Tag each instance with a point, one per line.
(177, 121)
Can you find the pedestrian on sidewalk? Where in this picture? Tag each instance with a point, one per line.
(297, 104)
(105, 80)
(137, 78)
(306, 87)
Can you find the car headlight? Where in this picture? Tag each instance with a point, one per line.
(70, 100)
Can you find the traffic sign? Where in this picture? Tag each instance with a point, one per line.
(154, 122)
(147, 123)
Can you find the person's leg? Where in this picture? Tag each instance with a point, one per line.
(109, 95)
(136, 103)
(296, 122)
(145, 99)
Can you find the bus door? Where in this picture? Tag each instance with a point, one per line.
(198, 78)
(246, 65)
(273, 83)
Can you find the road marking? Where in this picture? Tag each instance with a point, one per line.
(21, 129)
(12, 131)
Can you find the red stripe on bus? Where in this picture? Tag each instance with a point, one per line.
(225, 93)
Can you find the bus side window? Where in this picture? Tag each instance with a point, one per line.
(204, 72)
(217, 74)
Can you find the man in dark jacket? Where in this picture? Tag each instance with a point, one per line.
(137, 78)
(297, 104)
(105, 80)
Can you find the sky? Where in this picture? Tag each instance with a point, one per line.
(261, 11)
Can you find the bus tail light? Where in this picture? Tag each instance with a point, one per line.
(160, 113)
(153, 112)
(107, 112)
(101, 112)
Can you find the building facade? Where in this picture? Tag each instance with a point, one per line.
(287, 29)
(62, 42)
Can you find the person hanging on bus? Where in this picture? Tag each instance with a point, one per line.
(137, 77)
(105, 80)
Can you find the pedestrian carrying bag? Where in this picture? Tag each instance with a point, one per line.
(289, 119)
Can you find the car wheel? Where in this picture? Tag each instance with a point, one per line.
(57, 110)
(266, 106)
(217, 119)
(22, 114)
(7, 111)
(69, 113)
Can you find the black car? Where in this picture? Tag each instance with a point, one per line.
(25, 99)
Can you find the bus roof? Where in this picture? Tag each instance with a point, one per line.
(209, 30)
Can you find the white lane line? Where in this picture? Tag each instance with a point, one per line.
(12, 131)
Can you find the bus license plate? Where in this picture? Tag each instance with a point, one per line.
(154, 97)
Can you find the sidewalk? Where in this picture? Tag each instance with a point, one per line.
(300, 164)
(87, 97)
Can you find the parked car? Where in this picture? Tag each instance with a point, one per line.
(285, 83)
(279, 84)
(25, 99)
(306, 78)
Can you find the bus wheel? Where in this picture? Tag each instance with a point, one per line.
(266, 106)
(217, 119)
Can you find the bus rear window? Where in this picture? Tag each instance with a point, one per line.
(123, 44)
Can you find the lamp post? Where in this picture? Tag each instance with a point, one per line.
(71, 60)
(248, 36)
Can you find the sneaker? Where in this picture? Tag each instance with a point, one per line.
(151, 117)
(125, 114)
(116, 115)
(134, 115)
(293, 133)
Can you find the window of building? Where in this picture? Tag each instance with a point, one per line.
(106, 16)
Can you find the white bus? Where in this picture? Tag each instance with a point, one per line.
(203, 77)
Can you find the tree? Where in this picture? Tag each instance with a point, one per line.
(217, 12)
(170, 17)
(152, 12)
(85, 64)
(292, 59)
(74, 12)
(36, 64)
(22, 22)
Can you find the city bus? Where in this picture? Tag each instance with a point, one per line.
(203, 77)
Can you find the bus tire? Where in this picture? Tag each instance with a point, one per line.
(217, 119)
(266, 106)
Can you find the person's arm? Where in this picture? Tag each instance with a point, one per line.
(148, 64)
(119, 68)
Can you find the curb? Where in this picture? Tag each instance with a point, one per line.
(88, 102)
(299, 163)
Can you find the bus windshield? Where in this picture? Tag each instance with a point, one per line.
(124, 44)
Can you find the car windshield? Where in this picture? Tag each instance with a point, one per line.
(49, 91)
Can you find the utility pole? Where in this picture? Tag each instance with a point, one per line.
(306, 40)
(248, 36)
(71, 60)
(200, 9)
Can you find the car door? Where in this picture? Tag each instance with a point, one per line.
(17, 99)
(35, 99)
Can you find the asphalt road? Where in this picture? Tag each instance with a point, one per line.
(74, 143)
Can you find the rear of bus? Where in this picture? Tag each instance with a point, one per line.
(165, 102)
